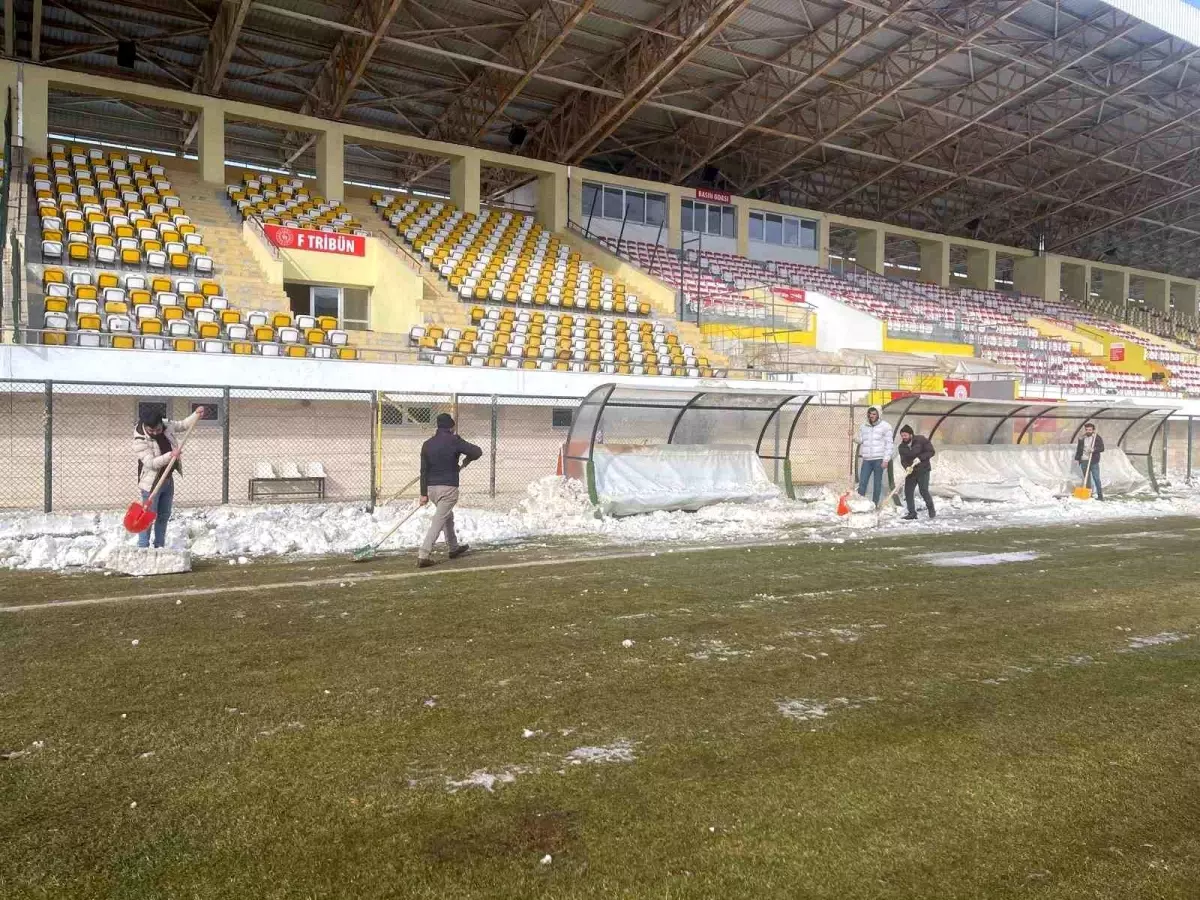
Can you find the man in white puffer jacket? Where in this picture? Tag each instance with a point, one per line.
(875, 443)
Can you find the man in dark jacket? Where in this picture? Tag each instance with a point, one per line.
(915, 453)
(1090, 446)
(439, 483)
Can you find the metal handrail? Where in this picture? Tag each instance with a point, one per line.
(256, 226)
(398, 249)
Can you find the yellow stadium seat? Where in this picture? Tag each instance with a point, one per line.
(295, 350)
(241, 348)
(123, 341)
(184, 345)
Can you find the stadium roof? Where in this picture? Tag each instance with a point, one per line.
(1066, 123)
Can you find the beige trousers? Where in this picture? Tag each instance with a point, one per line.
(444, 499)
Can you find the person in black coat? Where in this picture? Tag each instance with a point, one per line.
(439, 483)
(1090, 446)
(916, 451)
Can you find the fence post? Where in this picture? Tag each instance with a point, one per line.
(495, 435)
(48, 472)
(374, 452)
(225, 446)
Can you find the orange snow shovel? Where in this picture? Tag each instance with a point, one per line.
(1083, 492)
(140, 516)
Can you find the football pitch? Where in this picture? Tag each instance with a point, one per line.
(1013, 713)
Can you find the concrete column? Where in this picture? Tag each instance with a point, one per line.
(1115, 286)
(1184, 295)
(1039, 276)
(674, 220)
(211, 135)
(742, 210)
(575, 211)
(331, 165)
(552, 200)
(34, 123)
(981, 268)
(823, 242)
(1158, 294)
(869, 249)
(1076, 281)
(464, 183)
(935, 262)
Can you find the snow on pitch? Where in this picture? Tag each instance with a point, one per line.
(553, 507)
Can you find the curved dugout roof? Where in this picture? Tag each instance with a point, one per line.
(612, 414)
(1135, 429)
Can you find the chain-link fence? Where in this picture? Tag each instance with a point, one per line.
(69, 445)
(1180, 447)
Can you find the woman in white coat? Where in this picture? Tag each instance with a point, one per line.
(156, 444)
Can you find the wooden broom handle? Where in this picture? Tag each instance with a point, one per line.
(166, 472)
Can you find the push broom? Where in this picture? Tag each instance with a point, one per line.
(362, 554)
(140, 516)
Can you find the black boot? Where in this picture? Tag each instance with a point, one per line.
(932, 513)
(911, 517)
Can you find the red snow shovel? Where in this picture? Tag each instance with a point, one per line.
(140, 516)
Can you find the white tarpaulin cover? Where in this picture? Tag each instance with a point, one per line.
(1006, 472)
(633, 480)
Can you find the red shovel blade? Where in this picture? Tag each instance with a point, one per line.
(138, 518)
(843, 508)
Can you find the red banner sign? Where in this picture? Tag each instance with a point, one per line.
(959, 390)
(316, 241)
(713, 196)
(1116, 353)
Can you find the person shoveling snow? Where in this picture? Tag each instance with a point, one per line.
(439, 484)
(916, 451)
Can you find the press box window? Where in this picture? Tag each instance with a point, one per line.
(622, 204)
(783, 231)
(709, 218)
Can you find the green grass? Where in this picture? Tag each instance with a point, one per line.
(998, 737)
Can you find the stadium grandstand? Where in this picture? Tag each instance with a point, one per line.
(819, 192)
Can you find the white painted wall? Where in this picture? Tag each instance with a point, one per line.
(648, 234)
(775, 252)
(199, 369)
(844, 328)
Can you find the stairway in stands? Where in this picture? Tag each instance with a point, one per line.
(438, 303)
(244, 281)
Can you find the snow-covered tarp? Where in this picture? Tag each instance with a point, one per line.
(670, 477)
(1006, 472)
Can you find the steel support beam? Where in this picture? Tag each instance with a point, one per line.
(1000, 99)
(468, 116)
(898, 71)
(1092, 107)
(769, 90)
(634, 74)
(338, 79)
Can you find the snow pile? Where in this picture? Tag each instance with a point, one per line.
(1157, 640)
(553, 507)
(616, 752)
(145, 561)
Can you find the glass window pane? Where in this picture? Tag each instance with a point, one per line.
(686, 217)
(325, 301)
(614, 203)
(591, 201)
(656, 209)
(714, 220)
(756, 226)
(355, 308)
(300, 296)
(774, 229)
(728, 221)
(791, 231)
(635, 207)
(808, 234)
